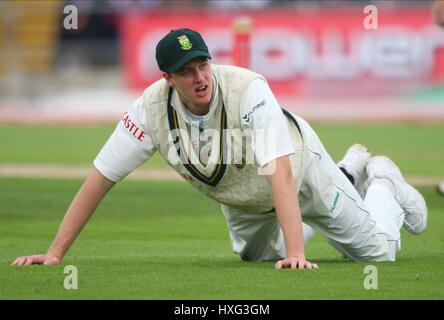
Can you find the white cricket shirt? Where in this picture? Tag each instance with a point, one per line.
(130, 145)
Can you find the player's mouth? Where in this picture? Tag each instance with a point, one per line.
(201, 91)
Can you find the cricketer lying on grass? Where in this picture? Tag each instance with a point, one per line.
(264, 213)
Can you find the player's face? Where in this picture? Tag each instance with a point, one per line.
(194, 84)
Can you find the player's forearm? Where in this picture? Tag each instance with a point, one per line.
(288, 212)
(287, 207)
(81, 209)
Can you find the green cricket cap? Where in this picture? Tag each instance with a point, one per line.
(178, 47)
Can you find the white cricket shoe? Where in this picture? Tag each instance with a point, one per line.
(408, 198)
(355, 163)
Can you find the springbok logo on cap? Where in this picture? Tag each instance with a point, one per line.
(185, 42)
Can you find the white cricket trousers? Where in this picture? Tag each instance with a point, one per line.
(362, 230)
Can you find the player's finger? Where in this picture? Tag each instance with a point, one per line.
(278, 265)
(294, 264)
(20, 261)
(28, 261)
(14, 263)
(315, 266)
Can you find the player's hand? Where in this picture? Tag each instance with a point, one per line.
(295, 263)
(36, 259)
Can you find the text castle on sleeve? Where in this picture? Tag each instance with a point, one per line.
(132, 127)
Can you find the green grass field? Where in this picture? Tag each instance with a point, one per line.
(141, 244)
(417, 149)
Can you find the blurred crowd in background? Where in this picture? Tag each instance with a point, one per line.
(96, 39)
(37, 54)
(98, 27)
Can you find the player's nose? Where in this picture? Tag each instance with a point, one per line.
(199, 77)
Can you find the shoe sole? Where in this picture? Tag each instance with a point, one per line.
(418, 196)
(363, 153)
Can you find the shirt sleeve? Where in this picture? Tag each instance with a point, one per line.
(261, 113)
(129, 146)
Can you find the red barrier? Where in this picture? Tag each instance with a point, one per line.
(319, 52)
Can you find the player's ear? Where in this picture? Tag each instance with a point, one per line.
(167, 77)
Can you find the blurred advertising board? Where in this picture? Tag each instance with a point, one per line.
(303, 52)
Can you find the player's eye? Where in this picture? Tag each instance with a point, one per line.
(203, 66)
(186, 72)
